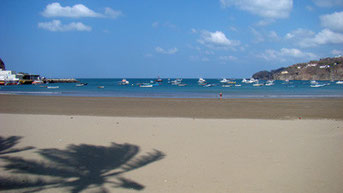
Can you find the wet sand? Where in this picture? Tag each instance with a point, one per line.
(322, 108)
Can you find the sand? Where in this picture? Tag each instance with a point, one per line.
(161, 145)
(187, 155)
(321, 108)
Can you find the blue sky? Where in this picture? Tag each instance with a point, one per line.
(211, 39)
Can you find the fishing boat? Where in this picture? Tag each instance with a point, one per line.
(101, 87)
(339, 82)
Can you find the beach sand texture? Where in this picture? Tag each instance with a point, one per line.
(317, 108)
(76, 152)
(182, 154)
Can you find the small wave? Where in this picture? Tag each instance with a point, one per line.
(28, 93)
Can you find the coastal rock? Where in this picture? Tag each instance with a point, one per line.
(2, 65)
(324, 69)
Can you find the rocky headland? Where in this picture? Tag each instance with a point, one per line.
(324, 69)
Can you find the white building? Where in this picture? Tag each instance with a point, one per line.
(7, 75)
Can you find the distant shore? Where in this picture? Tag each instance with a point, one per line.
(318, 108)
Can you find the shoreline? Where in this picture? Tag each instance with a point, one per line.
(280, 108)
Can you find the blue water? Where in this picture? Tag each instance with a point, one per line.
(281, 89)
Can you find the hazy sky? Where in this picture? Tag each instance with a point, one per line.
(166, 38)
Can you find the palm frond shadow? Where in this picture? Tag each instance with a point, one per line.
(7, 145)
(79, 167)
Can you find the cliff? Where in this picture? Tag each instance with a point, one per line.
(2, 65)
(324, 69)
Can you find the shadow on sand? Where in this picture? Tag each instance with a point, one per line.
(7, 145)
(78, 168)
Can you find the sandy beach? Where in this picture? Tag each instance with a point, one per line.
(317, 108)
(72, 144)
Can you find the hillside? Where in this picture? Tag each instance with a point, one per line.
(324, 69)
(2, 65)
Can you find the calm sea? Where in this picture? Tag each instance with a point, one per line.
(111, 88)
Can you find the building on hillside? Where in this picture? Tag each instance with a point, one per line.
(8, 77)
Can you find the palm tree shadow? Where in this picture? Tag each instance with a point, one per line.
(7, 145)
(80, 167)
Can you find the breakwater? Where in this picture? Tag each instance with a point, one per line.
(59, 80)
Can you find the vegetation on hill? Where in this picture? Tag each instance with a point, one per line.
(324, 69)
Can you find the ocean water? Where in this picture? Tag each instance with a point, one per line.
(281, 89)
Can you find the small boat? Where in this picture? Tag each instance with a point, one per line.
(313, 82)
(201, 81)
(176, 82)
(81, 84)
(317, 85)
(101, 87)
(182, 84)
(269, 83)
(224, 80)
(208, 85)
(159, 79)
(124, 82)
(238, 85)
(257, 84)
(227, 85)
(38, 82)
(52, 87)
(339, 82)
(146, 85)
(252, 80)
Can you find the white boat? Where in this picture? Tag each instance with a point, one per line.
(176, 82)
(224, 80)
(53, 87)
(124, 82)
(269, 83)
(252, 80)
(238, 85)
(339, 82)
(38, 82)
(101, 87)
(257, 84)
(314, 82)
(81, 84)
(201, 81)
(227, 85)
(146, 85)
(182, 84)
(317, 85)
(208, 85)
